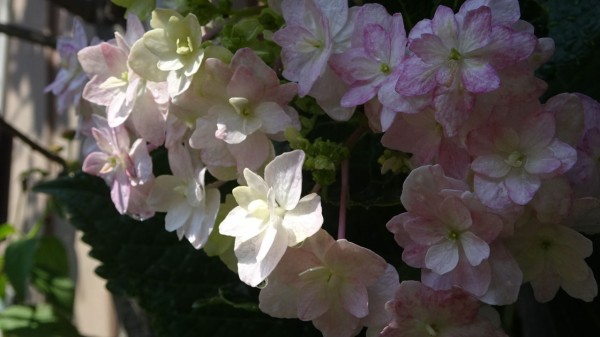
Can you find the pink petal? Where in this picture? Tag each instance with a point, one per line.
(476, 250)
(354, 298)
(541, 162)
(476, 29)
(479, 77)
(522, 186)
(490, 165)
(454, 214)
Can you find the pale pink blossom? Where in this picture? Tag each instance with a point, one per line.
(374, 55)
(446, 231)
(337, 285)
(551, 257)
(420, 311)
(122, 165)
(422, 136)
(124, 94)
(457, 57)
(250, 110)
(315, 29)
(70, 80)
(511, 162)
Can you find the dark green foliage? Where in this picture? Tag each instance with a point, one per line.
(575, 29)
(206, 10)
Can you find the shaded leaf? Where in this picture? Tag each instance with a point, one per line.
(18, 263)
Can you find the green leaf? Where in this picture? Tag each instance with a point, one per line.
(141, 8)
(6, 230)
(52, 257)
(50, 274)
(59, 291)
(19, 260)
(27, 321)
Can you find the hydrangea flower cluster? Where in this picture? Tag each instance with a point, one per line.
(499, 188)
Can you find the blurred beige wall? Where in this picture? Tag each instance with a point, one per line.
(25, 69)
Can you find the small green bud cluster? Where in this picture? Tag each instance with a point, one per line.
(323, 157)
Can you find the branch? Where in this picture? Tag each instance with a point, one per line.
(85, 9)
(28, 35)
(36, 147)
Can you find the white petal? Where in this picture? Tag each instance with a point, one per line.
(442, 257)
(304, 220)
(284, 175)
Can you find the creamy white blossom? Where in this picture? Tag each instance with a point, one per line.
(271, 216)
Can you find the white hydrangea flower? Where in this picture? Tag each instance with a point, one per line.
(171, 51)
(271, 216)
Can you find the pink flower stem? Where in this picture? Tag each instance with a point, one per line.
(343, 199)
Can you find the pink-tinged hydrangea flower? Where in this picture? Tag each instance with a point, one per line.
(114, 85)
(125, 167)
(583, 132)
(551, 257)
(458, 56)
(511, 162)
(191, 207)
(250, 109)
(374, 56)
(70, 80)
(315, 29)
(586, 172)
(446, 231)
(420, 311)
(553, 201)
(171, 51)
(421, 135)
(271, 216)
(338, 285)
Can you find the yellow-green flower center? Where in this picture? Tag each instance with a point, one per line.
(241, 106)
(453, 235)
(185, 46)
(516, 159)
(454, 55)
(385, 68)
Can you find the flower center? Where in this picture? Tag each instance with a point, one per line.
(454, 55)
(241, 106)
(110, 165)
(453, 235)
(431, 330)
(385, 68)
(184, 47)
(515, 159)
(546, 245)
